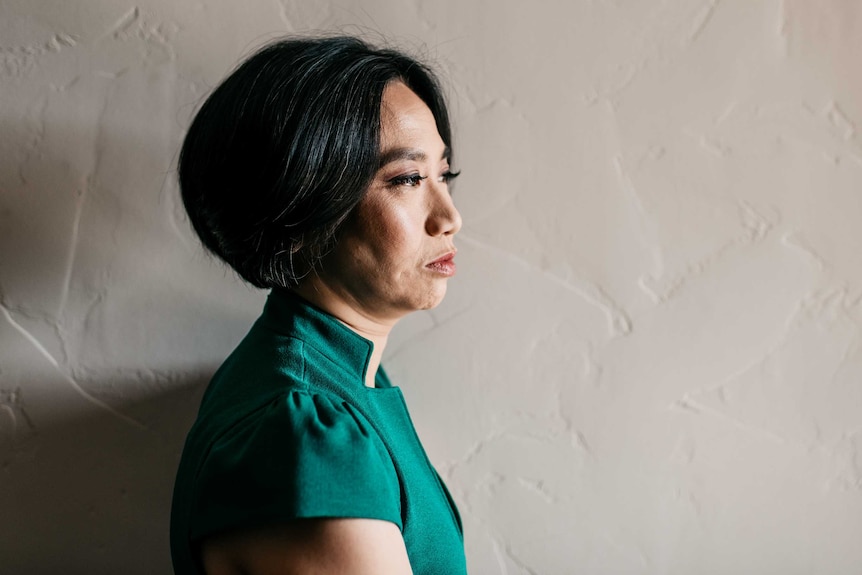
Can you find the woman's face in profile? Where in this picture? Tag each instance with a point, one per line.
(395, 253)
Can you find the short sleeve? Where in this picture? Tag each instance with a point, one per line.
(304, 455)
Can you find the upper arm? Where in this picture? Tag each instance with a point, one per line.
(310, 546)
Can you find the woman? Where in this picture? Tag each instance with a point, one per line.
(319, 169)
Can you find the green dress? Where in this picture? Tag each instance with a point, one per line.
(287, 429)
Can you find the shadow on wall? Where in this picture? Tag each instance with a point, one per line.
(91, 494)
(97, 290)
(83, 209)
(81, 489)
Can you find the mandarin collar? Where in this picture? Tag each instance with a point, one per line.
(289, 314)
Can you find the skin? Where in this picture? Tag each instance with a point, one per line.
(310, 547)
(377, 274)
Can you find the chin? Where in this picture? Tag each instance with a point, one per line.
(430, 305)
(434, 298)
(426, 298)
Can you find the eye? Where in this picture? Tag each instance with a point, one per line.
(448, 176)
(409, 180)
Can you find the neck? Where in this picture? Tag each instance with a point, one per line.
(351, 314)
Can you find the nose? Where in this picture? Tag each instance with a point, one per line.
(443, 217)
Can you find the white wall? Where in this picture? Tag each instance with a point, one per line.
(650, 363)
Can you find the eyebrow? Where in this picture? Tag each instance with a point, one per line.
(415, 154)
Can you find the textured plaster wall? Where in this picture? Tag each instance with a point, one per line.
(650, 363)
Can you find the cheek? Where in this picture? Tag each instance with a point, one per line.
(390, 232)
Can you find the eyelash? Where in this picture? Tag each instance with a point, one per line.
(413, 180)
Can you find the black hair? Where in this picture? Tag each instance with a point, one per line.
(286, 146)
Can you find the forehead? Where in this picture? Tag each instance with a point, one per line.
(405, 118)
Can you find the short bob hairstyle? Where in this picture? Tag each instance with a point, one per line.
(286, 146)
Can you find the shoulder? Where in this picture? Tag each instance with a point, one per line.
(303, 454)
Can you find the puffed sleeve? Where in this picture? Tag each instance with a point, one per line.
(303, 455)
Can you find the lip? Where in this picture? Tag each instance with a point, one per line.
(444, 265)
